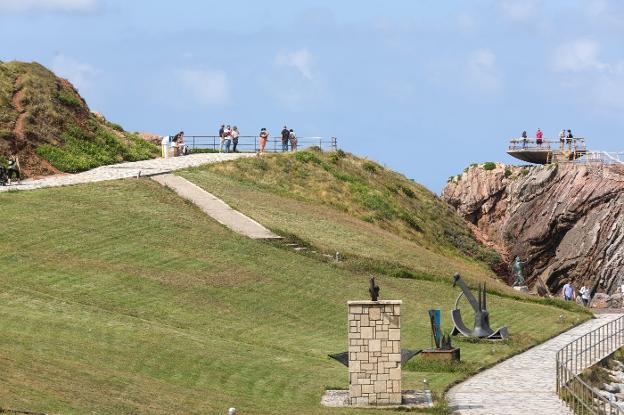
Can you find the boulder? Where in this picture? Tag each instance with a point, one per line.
(600, 300)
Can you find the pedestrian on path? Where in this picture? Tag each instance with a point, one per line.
(568, 292)
(585, 295)
(264, 136)
(13, 170)
(234, 134)
(285, 138)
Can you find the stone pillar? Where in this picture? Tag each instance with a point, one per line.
(375, 352)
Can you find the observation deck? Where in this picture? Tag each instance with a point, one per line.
(549, 151)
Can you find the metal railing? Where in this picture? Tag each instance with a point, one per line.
(605, 157)
(580, 354)
(251, 143)
(570, 144)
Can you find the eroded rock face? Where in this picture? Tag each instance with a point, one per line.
(564, 220)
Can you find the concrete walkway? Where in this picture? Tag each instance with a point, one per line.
(523, 384)
(215, 207)
(126, 170)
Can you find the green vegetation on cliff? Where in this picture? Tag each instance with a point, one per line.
(46, 122)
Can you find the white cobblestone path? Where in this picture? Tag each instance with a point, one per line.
(125, 170)
(523, 384)
(215, 207)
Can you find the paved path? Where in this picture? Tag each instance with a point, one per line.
(215, 207)
(523, 384)
(125, 170)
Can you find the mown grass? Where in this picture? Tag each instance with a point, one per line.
(120, 297)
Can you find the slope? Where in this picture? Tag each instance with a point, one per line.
(119, 297)
(49, 126)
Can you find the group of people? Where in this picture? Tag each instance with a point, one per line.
(173, 145)
(565, 137)
(569, 293)
(229, 138)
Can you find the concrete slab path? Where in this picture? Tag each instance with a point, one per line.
(215, 207)
(126, 170)
(523, 384)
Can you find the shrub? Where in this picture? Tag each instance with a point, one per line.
(410, 221)
(306, 157)
(369, 167)
(407, 191)
(315, 149)
(489, 165)
(524, 172)
(507, 172)
(69, 101)
(116, 127)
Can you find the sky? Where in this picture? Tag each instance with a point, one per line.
(422, 86)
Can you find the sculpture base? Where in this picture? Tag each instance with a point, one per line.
(439, 355)
(409, 399)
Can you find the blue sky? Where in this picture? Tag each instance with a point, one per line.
(424, 87)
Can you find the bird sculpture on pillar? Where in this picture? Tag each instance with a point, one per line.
(374, 289)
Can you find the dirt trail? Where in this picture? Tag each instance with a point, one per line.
(31, 164)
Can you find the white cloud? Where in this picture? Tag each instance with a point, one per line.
(483, 71)
(82, 75)
(301, 60)
(518, 10)
(579, 55)
(210, 87)
(43, 6)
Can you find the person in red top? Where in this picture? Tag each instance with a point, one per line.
(538, 137)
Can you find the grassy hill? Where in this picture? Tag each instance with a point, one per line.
(120, 297)
(46, 122)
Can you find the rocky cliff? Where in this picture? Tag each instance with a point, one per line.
(564, 220)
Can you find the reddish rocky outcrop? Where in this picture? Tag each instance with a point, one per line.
(566, 221)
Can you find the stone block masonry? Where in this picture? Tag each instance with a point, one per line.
(374, 352)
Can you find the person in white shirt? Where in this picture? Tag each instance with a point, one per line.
(584, 291)
(562, 137)
(234, 134)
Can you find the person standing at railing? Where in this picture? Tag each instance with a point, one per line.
(524, 139)
(221, 138)
(227, 138)
(562, 136)
(293, 140)
(165, 143)
(264, 136)
(569, 139)
(538, 137)
(234, 134)
(285, 138)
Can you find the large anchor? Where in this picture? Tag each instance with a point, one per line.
(482, 327)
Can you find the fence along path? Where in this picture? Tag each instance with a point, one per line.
(523, 384)
(215, 207)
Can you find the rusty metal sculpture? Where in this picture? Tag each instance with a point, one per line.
(482, 327)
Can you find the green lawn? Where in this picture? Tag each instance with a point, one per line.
(119, 298)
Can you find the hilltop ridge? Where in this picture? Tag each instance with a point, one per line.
(45, 121)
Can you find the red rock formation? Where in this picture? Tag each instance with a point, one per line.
(565, 220)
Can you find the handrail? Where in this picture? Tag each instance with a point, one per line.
(252, 143)
(580, 354)
(572, 144)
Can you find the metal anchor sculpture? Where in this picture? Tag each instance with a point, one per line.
(482, 327)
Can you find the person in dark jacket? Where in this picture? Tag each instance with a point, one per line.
(285, 138)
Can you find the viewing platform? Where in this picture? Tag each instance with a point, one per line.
(548, 151)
